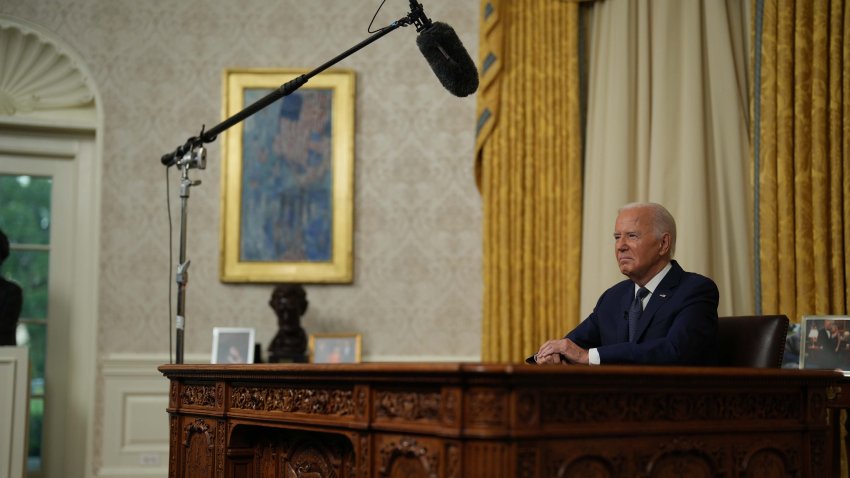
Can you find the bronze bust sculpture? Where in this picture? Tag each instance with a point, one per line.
(289, 302)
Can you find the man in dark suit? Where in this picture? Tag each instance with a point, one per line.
(660, 315)
(829, 341)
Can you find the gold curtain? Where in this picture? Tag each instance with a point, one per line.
(801, 143)
(528, 169)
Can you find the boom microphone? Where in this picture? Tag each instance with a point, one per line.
(444, 52)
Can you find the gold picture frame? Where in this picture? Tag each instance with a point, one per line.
(335, 348)
(288, 179)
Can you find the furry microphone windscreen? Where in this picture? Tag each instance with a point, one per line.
(450, 61)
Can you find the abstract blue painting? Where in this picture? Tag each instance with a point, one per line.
(287, 184)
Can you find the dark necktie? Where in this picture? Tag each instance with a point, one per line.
(635, 311)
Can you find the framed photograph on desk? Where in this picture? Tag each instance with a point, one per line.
(232, 345)
(335, 348)
(825, 342)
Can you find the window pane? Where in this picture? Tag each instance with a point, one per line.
(35, 432)
(25, 208)
(29, 269)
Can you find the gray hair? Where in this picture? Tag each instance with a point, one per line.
(662, 221)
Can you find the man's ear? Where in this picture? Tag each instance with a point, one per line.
(664, 250)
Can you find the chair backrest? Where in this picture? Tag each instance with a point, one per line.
(751, 341)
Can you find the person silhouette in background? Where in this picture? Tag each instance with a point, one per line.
(11, 300)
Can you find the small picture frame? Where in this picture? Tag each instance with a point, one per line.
(335, 348)
(232, 345)
(825, 342)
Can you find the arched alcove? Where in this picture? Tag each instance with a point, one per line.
(36, 75)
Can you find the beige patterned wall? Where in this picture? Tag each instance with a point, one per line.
(158, 67)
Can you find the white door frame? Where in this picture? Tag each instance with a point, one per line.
(68, 156)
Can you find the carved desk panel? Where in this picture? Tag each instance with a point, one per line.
(482, 420)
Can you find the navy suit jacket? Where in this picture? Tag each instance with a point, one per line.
(678, 324)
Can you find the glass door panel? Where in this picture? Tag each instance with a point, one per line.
(25, 218)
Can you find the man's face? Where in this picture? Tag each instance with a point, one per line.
(640, 254)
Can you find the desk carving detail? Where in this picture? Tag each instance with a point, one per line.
(527, 459)
(769, 458)
(684, 457)
(173, 438)
(199, 441)
(487, 407)
(294, 400)
(585, 466)
(365, 453)
(219, 448)
(819, 450)
(199, 426)
(199, 395)
(406, 457)
(288, 455)
(527, 408)
(590, 408)
(408, 406)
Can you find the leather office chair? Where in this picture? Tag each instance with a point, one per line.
(751, 341)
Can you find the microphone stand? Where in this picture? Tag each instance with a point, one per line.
(192, 154)
(195, 158)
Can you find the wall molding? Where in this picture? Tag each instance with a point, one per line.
(14, 410)
(135, 422)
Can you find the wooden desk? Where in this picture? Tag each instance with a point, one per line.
(474, 420)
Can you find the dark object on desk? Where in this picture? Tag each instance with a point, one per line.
(752, 341)
(258, 353)
(289, 302)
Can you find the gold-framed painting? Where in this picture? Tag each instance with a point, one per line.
(288, 179)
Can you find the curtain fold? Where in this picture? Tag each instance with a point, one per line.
(802, 101)
(528, 170)
(667, 122)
